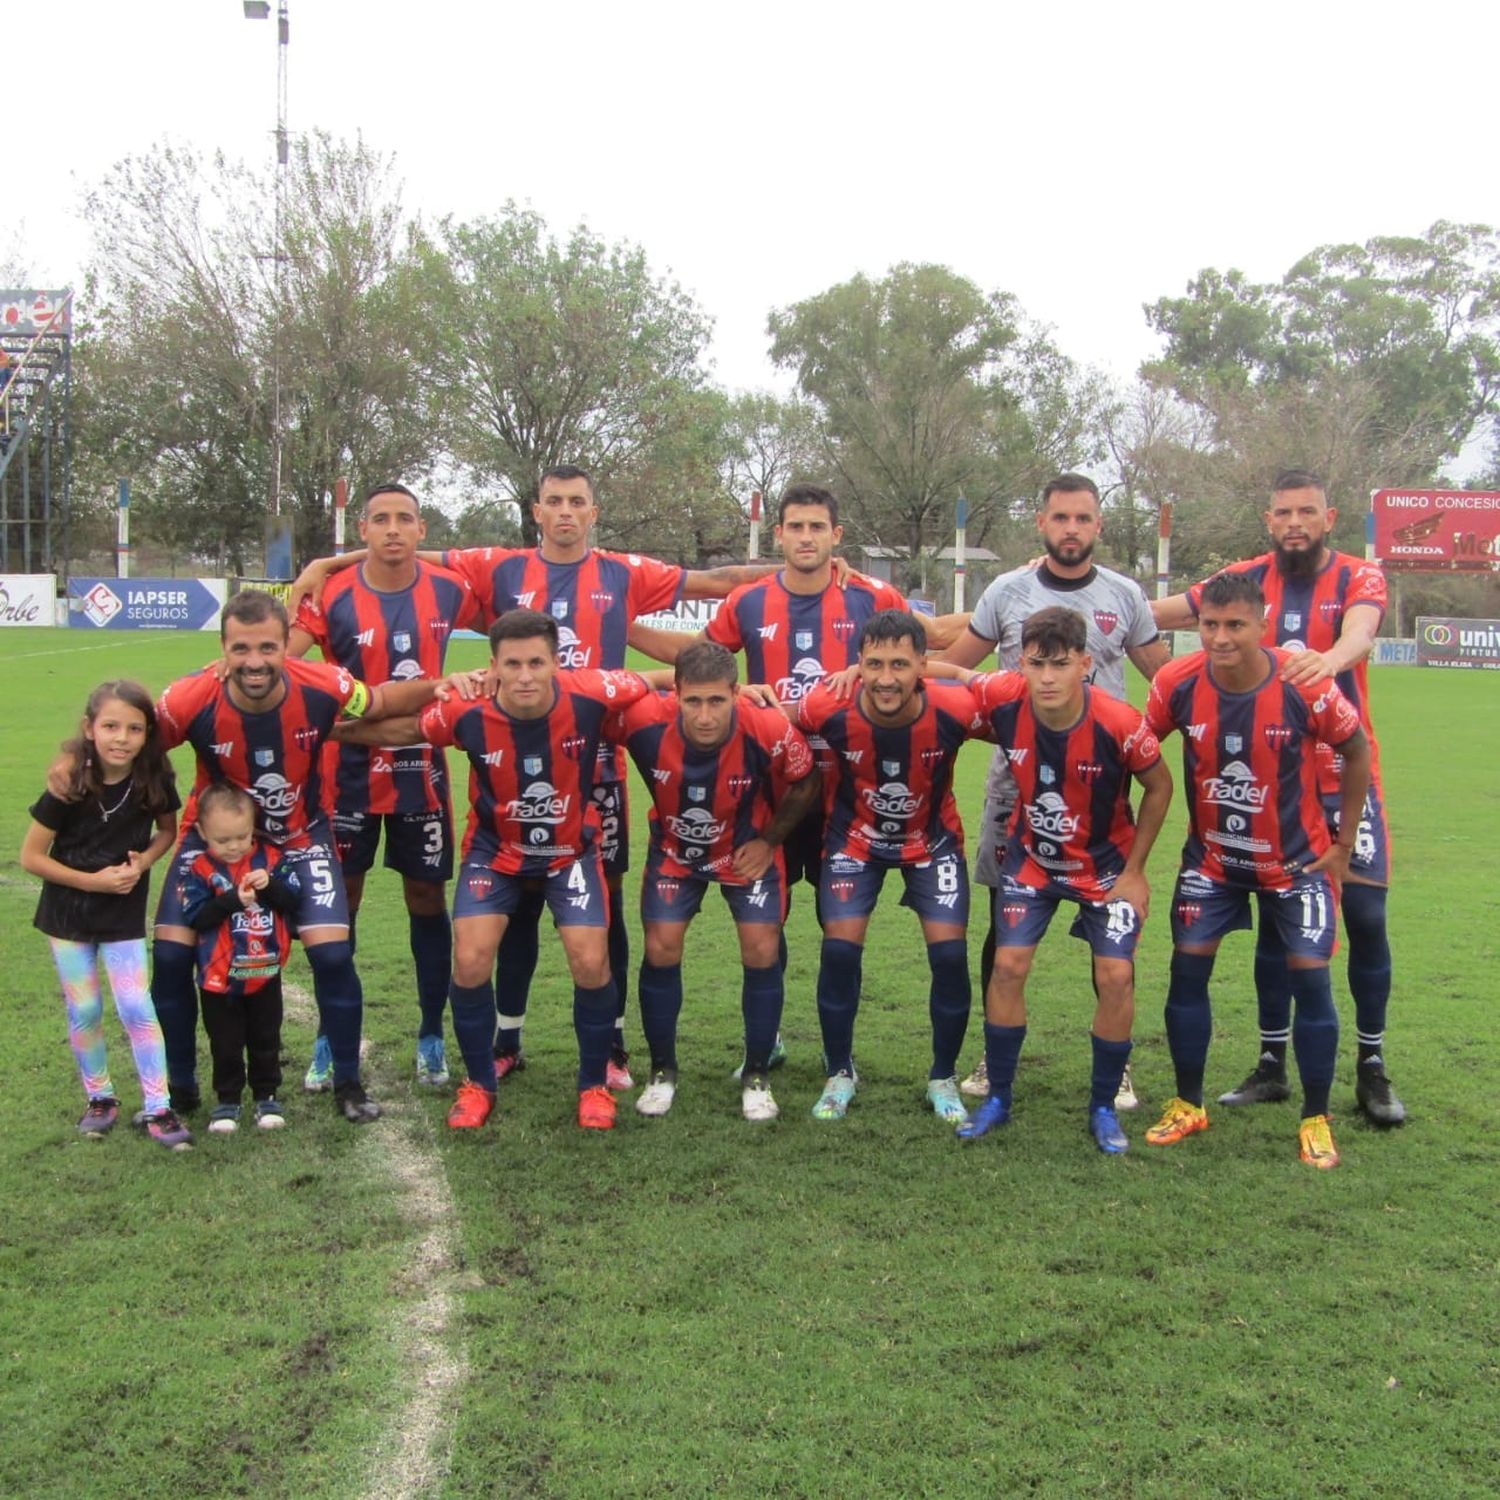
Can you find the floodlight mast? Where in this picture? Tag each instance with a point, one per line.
(260, 10)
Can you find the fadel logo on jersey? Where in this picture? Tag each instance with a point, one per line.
(894, 799)
(541, 802)
(807, 673)
(1049, 815)
(696, 826)
(572, 654)
(1235, 786)
(276, 795)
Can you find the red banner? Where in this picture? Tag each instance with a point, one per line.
(1437, 531)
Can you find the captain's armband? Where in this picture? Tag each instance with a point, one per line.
(359, 702)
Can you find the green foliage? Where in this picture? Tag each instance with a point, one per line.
(927, 389)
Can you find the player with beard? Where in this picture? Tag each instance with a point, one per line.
(1323, 608)
(1119, 622)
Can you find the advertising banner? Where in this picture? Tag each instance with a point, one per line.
(26, 598)
(25, 311)
(1437, 531)
(1395, 651)
(689, 617)
(1443, 642)
(145, 603)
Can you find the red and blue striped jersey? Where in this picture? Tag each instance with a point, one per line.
(531, 780)
(388, 637)
(708, 803)
(1254, 815)
(251, 945)
(791, 641)
(890, 795)
(276, 754)
(593, 601)
(1307, 614)
(1072, 819)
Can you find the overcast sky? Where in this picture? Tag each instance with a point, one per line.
(1089, 159)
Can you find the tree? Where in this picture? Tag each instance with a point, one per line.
(927, 389)
(187, 332)
(1372, 364)
(548, 352)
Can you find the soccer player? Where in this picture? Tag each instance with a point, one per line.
(533, 748)
(1073, 751)
(593, 596)
(260, 721)
(1119, 623)
(389, 620)
(1323, 608)
(1256, 826)
(729, 780)
(890, 806)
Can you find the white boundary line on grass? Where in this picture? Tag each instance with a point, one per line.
(72, 650)
(412, 1457)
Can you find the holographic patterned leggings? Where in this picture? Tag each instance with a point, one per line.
(125, 966)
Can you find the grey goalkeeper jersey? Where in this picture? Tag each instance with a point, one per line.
(1113, 606)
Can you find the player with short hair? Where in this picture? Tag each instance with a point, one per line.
(1070, 521)
(729, 780)
(533, 748)
(390, 620)
(1324, 608)
(1073, 751)
(1256, 826)
(890, 806)
(259, 720)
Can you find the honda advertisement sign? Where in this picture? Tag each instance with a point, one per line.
(1437, 531)
(1457, 643)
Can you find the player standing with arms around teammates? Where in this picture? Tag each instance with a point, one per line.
(890, 806)
(729, 780)
(389, 620)
(1256, 826)
(532, 750)
(592, 596)
(1119, 623)
(237, 895)
(1072, 750)
(1324, 608)
(259, 720)
(91, 844)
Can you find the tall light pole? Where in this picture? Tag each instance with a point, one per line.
(260, 10)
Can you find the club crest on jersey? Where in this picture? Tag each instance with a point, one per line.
(265, 757)
(1046, 775)
(572, 747)
(1280, 735)
(1106, 620)
(1088, 771)
(559, 609)
(843, 629)
(1292, 620)
(891, 767)
(802, 639)
(532, 765)
(697, 793)
(739, 785)
(1234, 743)
(401, 640)
(439, 628)
(931, 756)
(304, 736)
(1329, 609)
(601, 600)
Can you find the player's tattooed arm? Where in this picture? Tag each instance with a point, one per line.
(719, 583)
(1354, 783)
(1150, 658)
(1156, 798)
(1356, 641)
(1173, 613)
(659, 645)
(753, 859)
(946, 631)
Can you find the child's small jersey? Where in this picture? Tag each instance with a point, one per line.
(1249, 768)
(1072, 816)
(792, 641)
(240, 948)
(708, 803)
(891, 792)
(379, 636)
(275, 754)
(1307, 614)
(530, 780)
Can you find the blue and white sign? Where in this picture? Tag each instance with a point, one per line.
(145, 603)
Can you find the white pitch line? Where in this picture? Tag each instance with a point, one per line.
(130, 640)
(411, 1458)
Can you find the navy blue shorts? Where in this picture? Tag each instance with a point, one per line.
(1371, 857)
(1023, 914)
(679, 898)
(418, 845)
(576, 894)
(1305, 914)
(936, 889)
(324, 901)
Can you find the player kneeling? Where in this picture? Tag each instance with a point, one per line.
(1073, 751)
(729, 780)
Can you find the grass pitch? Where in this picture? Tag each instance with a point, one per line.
(695, 1306)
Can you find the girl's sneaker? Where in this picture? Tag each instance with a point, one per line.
(225, 1119)
(167, 1130)
(99, 1118)
(268, 1115)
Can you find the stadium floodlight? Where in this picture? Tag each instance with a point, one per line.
(257, 10)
